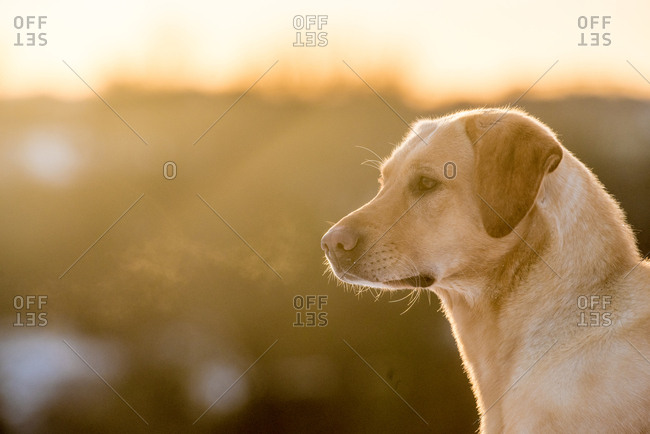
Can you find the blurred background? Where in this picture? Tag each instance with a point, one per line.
(169, 168)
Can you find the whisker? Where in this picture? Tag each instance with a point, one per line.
(371, 151)
(372, 163)
(408, 294)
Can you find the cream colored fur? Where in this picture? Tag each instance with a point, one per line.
(513, 290)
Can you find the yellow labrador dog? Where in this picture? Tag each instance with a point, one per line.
(533, 261)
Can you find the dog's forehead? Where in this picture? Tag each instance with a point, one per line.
(428, 141)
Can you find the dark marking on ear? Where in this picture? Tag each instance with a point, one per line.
(513, 154)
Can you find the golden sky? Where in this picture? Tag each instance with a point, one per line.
(434, 50)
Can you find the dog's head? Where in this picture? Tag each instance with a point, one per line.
(451, 198)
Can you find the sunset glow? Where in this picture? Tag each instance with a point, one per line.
(419, 47)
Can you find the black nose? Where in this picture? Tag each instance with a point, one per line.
(339, 238)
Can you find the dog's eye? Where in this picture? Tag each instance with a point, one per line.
(426, 184)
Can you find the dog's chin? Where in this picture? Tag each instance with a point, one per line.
(412, 282)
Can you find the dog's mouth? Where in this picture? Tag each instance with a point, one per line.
(418, 281)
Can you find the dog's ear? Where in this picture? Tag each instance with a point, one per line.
(513, 154)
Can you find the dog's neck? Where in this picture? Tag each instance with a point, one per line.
(583, 217)
(581, 213)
